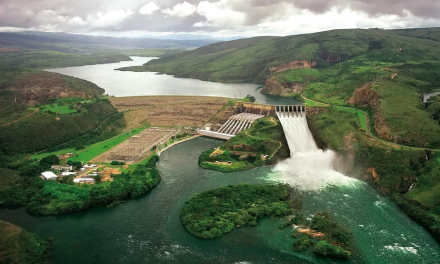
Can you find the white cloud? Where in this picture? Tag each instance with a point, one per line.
(181, 10)
(149, 9)
(218, 14)
(110, 19)
(76, 21)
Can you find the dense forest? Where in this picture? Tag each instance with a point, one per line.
(216, 212)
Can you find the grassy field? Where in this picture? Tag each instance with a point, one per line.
(427, 188)
(59, 109)
(361, 116)
(92, 151)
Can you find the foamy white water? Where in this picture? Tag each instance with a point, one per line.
(308, 168)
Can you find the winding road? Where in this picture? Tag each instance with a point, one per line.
(7, 124)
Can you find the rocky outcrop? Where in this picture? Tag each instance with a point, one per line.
(311, 111)
(274, 87)
(373, 176)
(367, 98)
(380, 126)
(331, 58)
(293, 65)
(35, 95)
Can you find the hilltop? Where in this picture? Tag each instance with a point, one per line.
(77, 43)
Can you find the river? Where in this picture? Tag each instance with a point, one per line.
(126, 83)
(148, 229)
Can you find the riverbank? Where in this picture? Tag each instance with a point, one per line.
(176, 143)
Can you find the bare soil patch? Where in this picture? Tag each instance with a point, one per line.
(192, 111)
(8, 50)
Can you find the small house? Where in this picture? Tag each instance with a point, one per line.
(67, 173)
(84, 180)
(48, 175)
(63, 167)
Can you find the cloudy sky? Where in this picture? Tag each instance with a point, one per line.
(218, 18)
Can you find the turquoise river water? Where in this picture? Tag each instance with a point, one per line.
(148, 229)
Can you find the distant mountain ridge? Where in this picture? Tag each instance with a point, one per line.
(74, 43)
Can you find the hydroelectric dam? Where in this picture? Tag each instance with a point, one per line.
(247, 114)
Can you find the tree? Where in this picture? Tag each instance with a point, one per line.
(48, 161)
(251, 98)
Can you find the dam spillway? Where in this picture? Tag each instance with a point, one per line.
(234, 125)
(296, 130)
(308, 167)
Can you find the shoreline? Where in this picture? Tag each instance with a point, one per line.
(177, 143)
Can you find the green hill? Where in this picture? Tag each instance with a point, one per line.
(44, 130)
(33, 117)
(19, 246)
(248, 60)
(386, 71)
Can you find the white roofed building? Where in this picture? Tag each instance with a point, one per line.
(84, 180)
(67, 173)
(48, 175)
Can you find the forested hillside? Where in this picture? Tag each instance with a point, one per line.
(45, 59)
(21, 247)
(44, 130)
(29, 86)
(249, 60)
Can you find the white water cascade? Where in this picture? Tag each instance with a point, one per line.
(308, 168)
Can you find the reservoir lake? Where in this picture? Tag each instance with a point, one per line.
(126, 83)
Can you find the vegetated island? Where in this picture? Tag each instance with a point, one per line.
(219, 211)
(322, 234)
(263, 144)
(22, 247)
(216, 212)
